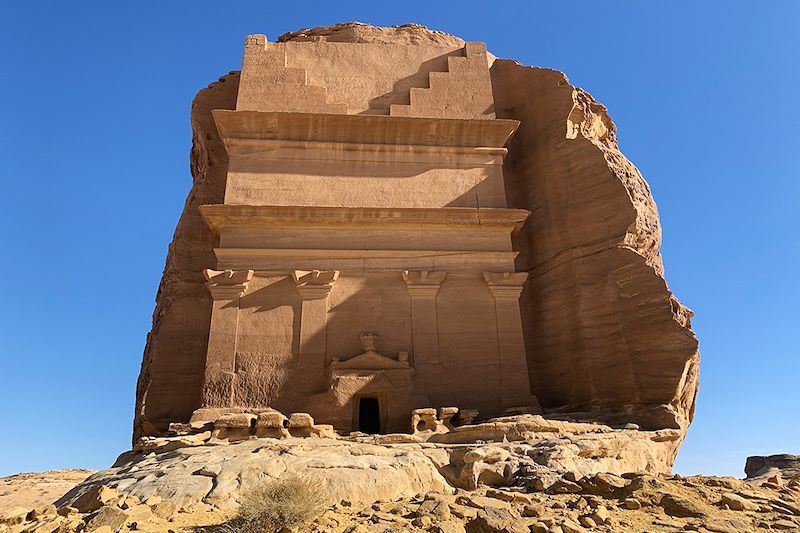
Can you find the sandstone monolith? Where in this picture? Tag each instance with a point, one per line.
(384, 220)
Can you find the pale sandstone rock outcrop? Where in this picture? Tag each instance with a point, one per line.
(357, 32)
(605, 338)
(785, 465)
(170, 381)
(218, 474)
(524, 451)
(603, 332)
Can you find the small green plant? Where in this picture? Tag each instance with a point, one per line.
(280, 505)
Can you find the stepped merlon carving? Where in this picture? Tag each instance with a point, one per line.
(464, 91)
(267, 84)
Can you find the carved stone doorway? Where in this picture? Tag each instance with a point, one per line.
(369, 415)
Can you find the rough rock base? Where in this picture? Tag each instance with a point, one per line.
(633, 503)
(526, 451)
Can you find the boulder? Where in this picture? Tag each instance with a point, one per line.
(486, 454)
(358, 472)
(494, 520)
(110, 516)
(737, 503)
(603, 484)
(272, 424)
(449, 526)
(301, 425)
(682, 507)
(93, 497)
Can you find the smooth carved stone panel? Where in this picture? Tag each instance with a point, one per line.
(369, 302)
(334, 182)
(465, 310)
(267, 316)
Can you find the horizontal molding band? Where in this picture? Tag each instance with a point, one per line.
(220, 216)
(360, 260)
(371, 129)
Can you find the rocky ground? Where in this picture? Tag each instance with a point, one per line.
(603, 502)
(513, 474)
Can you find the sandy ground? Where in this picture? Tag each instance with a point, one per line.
(38, 488)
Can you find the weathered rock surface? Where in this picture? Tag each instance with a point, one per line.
(603, 332)
(357, 32)
(171, 377)
(218, 473)
(605, 338)
(524, 451)
(634, 503)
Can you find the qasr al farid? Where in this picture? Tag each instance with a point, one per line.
(414, 287)
(390, 227)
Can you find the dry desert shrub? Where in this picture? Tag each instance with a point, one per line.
(275, 506)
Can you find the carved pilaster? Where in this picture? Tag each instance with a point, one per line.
(314, 287)
(506, 288)
(227, 284)
(422, 288)
(315, 284)
(505, 285)
(226, 287)
(423, 284)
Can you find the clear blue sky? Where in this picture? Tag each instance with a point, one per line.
(94, 151)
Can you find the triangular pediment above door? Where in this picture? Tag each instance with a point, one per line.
(370, 361)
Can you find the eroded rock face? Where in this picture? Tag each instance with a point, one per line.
(219, 474)
(357, 32)
(605, 338)
(527, 452)
(783, 465)
(171, 377)
(603, 332)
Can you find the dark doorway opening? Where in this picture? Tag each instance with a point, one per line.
(369, 415)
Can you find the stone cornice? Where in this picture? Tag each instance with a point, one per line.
(377, 260)
(372, 129)
(355, 151)
(220, 216)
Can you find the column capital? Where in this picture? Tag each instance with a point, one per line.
(505, 284)
(227, 284)
(315, 284)
(423, 283)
